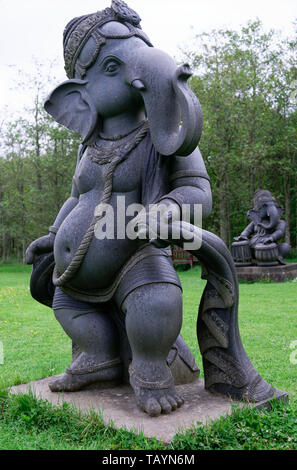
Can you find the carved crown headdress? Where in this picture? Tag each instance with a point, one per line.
(261, 197)
(79, 30)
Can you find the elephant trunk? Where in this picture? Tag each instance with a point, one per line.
(190, 132)
(173, 111)
(273, 216)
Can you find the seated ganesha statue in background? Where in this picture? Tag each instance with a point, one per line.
(119, 298)
(259, 242)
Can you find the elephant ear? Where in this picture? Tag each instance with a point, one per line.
(281, 211)
(254, 216)
(70, 105)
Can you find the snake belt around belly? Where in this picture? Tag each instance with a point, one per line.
(112, 158)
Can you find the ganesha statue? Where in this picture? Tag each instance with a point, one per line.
(118, 297)
(259, 243)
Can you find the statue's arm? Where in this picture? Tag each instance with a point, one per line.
(67, 207)
(72, 201)
(279, 232)
(248, 231)
(190, 183)
(45, 244)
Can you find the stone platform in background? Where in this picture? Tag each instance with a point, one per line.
(118, 405)
(279, 273)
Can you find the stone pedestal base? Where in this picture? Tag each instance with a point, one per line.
(278, 273)
(119, 406)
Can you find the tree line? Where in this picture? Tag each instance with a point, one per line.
(246, 82)
(37, 162)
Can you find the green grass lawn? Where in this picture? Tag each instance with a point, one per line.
(35, 347)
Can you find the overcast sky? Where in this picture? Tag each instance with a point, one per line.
(34, 28)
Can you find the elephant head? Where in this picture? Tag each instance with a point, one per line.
(115, 72)
(266, 213)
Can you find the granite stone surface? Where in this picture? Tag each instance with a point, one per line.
(118, 405)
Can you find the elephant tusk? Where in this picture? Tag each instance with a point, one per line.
(138, 84)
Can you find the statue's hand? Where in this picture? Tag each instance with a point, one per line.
(41, 245)
(241, 238)
(154, 224)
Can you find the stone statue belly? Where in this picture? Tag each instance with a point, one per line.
(104, 257)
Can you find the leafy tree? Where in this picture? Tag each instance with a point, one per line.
(242, 80)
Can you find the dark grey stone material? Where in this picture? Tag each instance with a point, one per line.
(127, 100)
(279, 273)
(118, 405)
(259, 243)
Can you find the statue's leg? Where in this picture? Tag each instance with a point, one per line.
(153, 322)
(93, 331)
(154, 266)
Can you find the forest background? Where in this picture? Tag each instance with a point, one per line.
(246, 82)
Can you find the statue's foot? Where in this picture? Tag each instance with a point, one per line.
(155, 398)
(86, 371)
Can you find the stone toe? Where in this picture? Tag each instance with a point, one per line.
(165, 405)
(152, 407)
